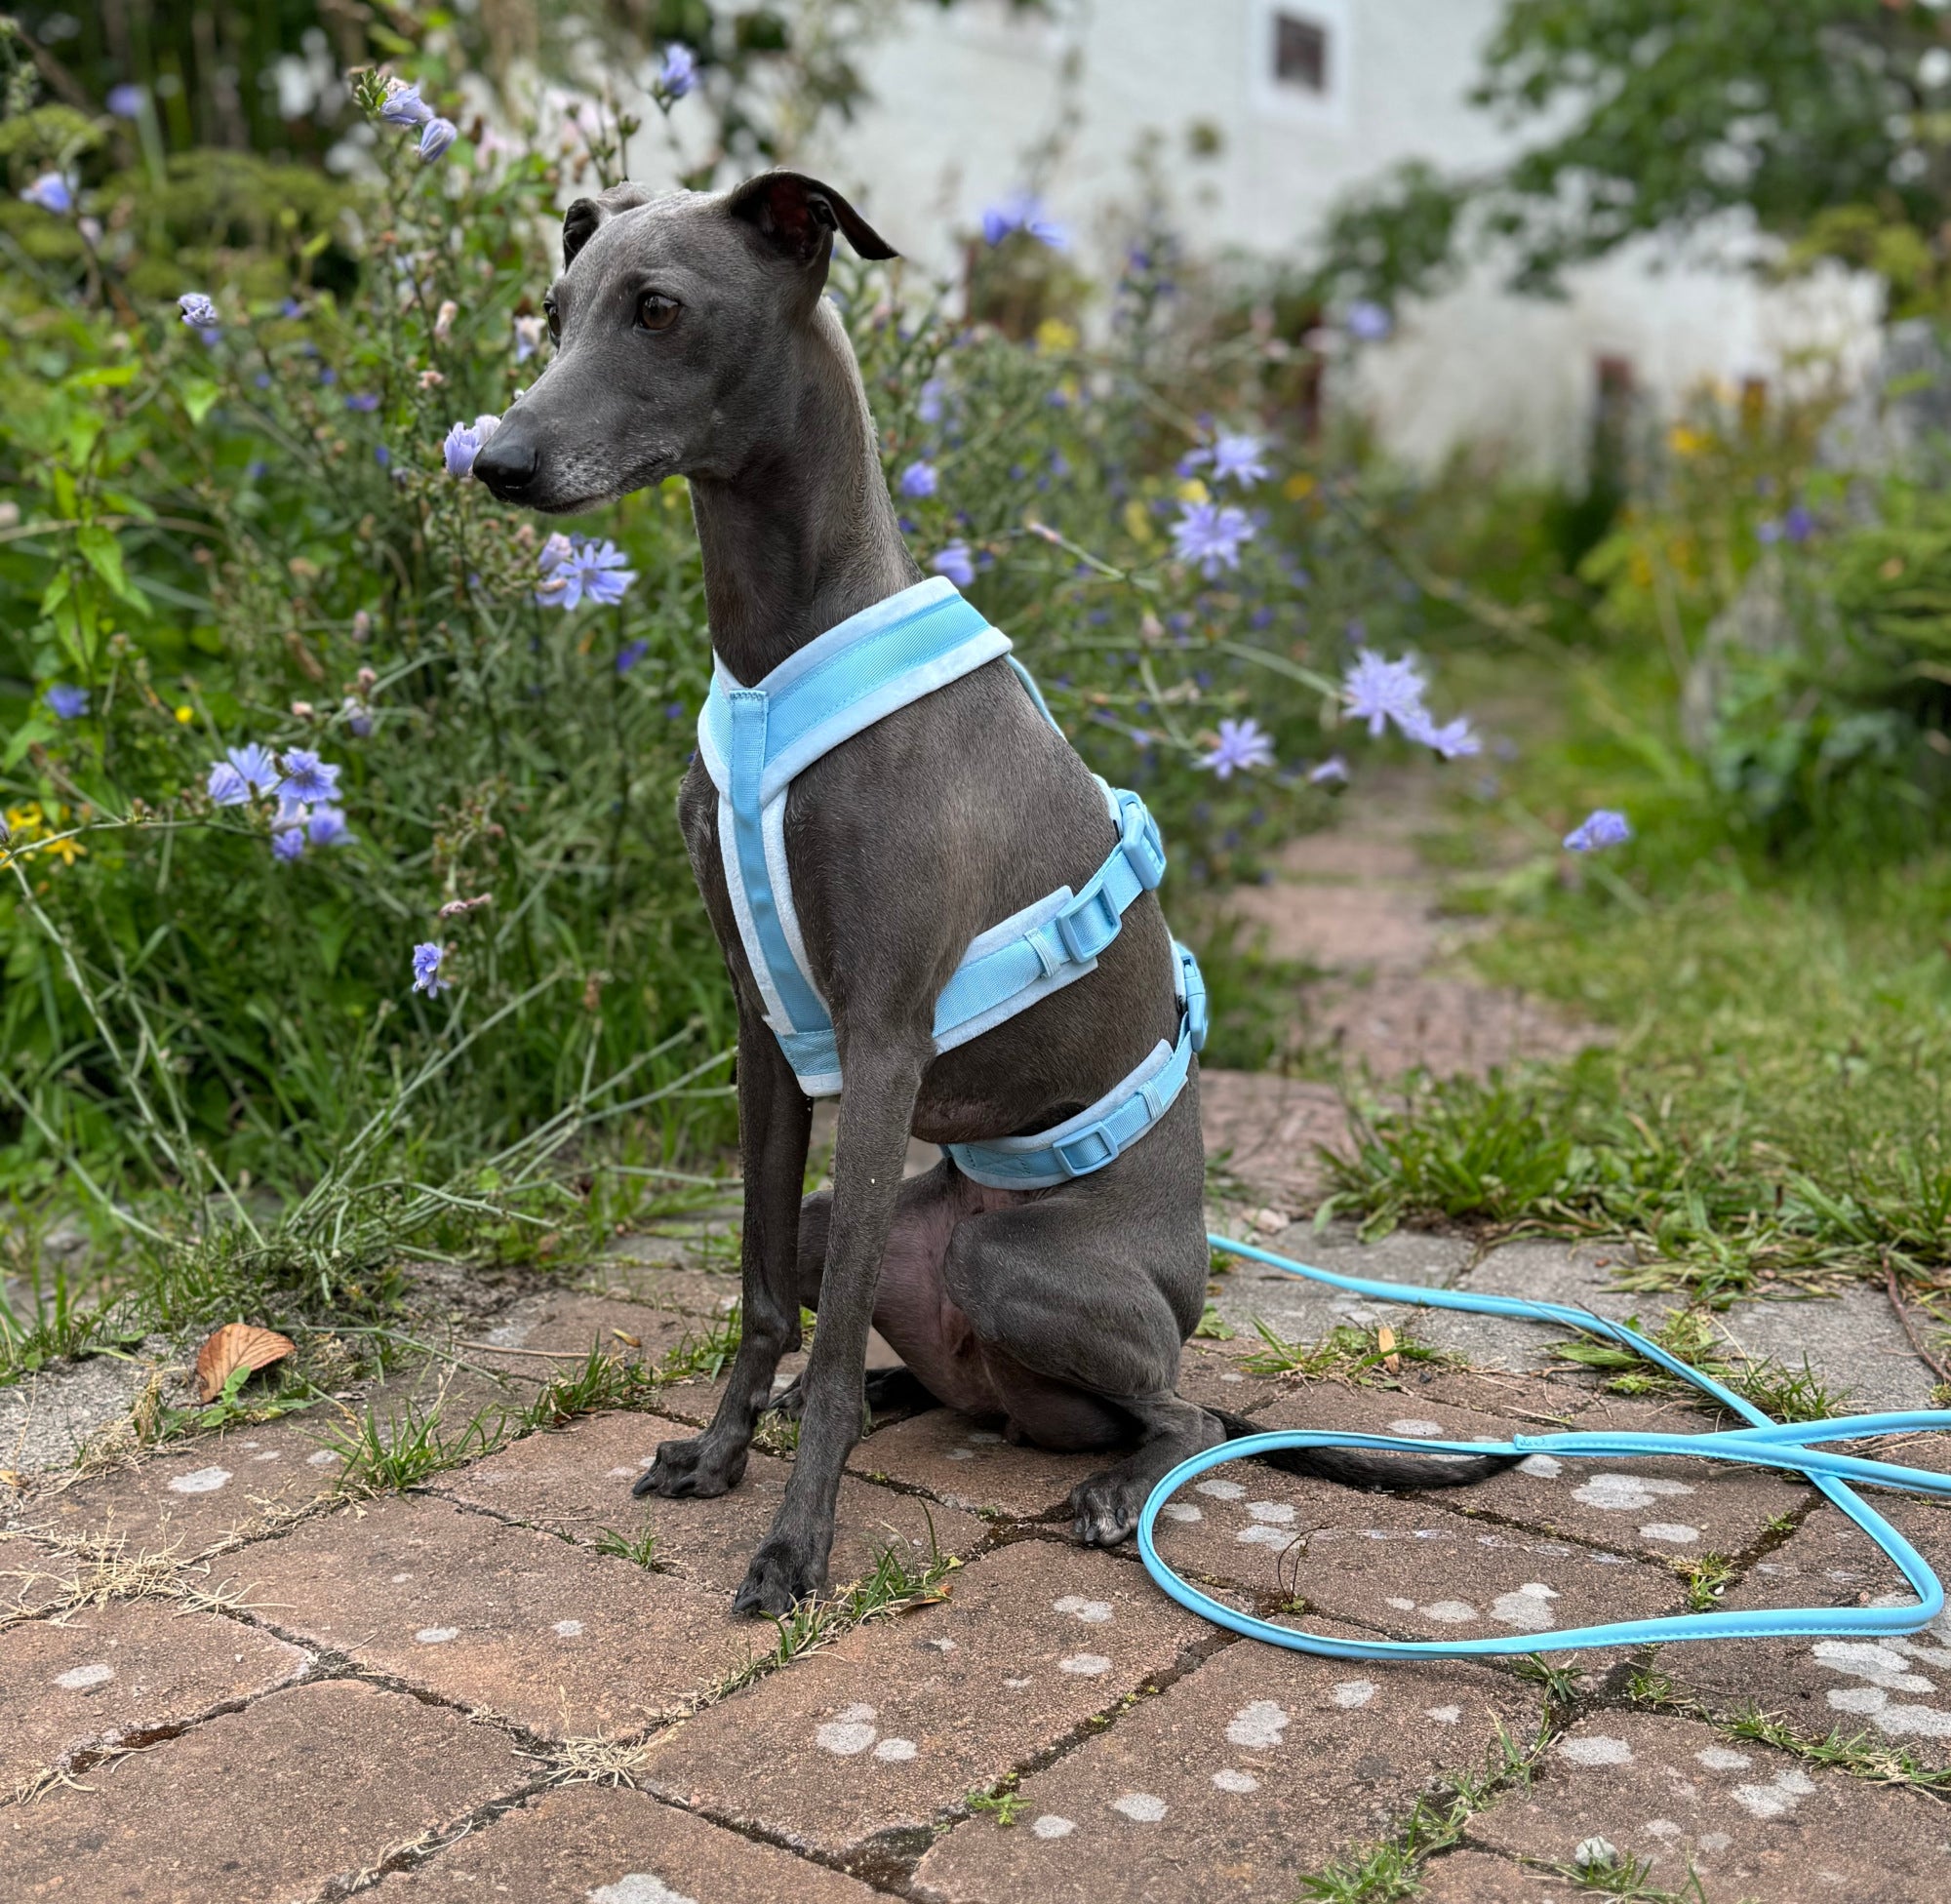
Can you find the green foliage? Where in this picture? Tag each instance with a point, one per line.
(1659, 115)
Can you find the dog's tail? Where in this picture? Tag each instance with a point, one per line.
(1354, 1467)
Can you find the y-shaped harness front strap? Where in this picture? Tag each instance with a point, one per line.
(755, 740)
(1789, 1446)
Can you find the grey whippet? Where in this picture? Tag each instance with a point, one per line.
(692, 338)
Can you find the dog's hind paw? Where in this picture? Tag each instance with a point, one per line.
(690, 1468)
(779, 1579)
(1105, 1511)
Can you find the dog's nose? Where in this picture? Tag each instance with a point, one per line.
(506, 463)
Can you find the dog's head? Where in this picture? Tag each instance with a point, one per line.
(678, 323)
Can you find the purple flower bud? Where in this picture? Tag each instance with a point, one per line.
(198, 312)
(435, 138)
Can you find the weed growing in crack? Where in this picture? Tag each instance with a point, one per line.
(1391, 1868)
(640, 1549)
(407, 1448)
(1344, 1353)
(1648, 1686)
(1854, 1753)
(1002, 1801)
(1627, 1877)
(1707, 1576)
(703, 1353)
(1560, 1684)
(778, 1433)
(1781, 1392)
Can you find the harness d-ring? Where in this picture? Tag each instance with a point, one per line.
(1782, 1445)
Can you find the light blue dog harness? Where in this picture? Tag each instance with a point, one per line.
(754, 742)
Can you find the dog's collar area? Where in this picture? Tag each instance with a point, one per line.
(755, 740)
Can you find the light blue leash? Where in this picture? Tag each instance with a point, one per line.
(1767, 1444)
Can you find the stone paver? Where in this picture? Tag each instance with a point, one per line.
(857, 1750)
(591, 1844)
(1233, 1784)
(188, 1498)
(1264, 1130)
(497, 1618)
(1751, 1823)
(971, 1466)
(1405, 1567)
(134, 1667)
(546, 1340)
(258, 1807)
(1895, 1691)
(1298, 1310)
(1661, 1508)
(1476, 1878)
(577, 1483)
(1450, 1027)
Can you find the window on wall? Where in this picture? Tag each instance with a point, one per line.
(1300, 52)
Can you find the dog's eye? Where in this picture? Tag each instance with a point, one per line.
(554, 317)
(657, 312)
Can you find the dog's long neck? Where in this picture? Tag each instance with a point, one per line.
(805, 535)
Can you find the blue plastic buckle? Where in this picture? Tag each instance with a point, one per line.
(1144, 848)
(1090, 1150)
(1193, 985)
(1088, 924)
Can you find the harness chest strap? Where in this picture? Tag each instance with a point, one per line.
(755, 740)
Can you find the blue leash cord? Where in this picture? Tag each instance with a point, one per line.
(1790, 1446)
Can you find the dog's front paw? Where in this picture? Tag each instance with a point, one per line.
(1105, 1510)
(780, 1577)
(694, 1468)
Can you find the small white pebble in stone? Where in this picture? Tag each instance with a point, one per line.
(269, 1454)
(1713, 1840)
(1721, 1758)
(1276, 1512)
(1220, 1490)
(1443, 1715)
(1415, 1425)
(568, 1629)
(851, 1732)
(200, 1481)
(1450, 1613)
(1259, 1536)
(1181, 1511)
(437, 1636)
(1141, 1806)
(1230, 1376)
(1086, 1665)
(1354, 1692)
(1092, 1612)
(895, 1750)
(1050, 1825)
(1596, 1854)
(1529, 1609)
(962, 1454)
(79, 1679)
(1259, 1725)
(1401, 1604)
(1229, 1780)
(941, 1644)
(1017, 1685)
(622, 1474)
(1675, 1533)
(326, 1457)
(1596, 1750)
(1662, 1828)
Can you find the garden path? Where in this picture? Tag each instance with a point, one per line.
(225, 1673)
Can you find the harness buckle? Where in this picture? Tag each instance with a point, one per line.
(1192, 988)
(1090, 1150)
(1088, 924)
(1142, 847)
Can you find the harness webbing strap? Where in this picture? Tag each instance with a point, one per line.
(1767, 1444)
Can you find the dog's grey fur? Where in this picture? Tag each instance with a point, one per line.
(1063, 1312)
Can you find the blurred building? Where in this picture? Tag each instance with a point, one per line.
(1310, 97)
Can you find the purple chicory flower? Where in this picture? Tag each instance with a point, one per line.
(1333, 771)
(125, 101)
(919, 478)
(1453, 741)
(307, 778)
(404, 106)
(1241, 744)
(630, 653)
(1379, 691)
(1797, 524)
(227, 786)
(198, 312)
(436, 136)
(1368, 322)
(1211, 536)
(69, 703)
(930, 400)
(582, 567)
(1023, 211)
(555, 552)
(459, 448)
(1237, 459)
(288, 843)
(1768, 530)
(1603, 827)
(678, 73)
(363, 401)
(426, 969)
(326, 827)
(955, 563)
(257, 767)
(529, 334)
(51, 193)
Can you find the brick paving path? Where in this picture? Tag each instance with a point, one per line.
(227, 1676)
(225, 1673)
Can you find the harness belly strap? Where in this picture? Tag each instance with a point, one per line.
(755, 740)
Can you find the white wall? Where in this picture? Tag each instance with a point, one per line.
(961, 97)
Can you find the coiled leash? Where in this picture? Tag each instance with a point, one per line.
(1789, 1446)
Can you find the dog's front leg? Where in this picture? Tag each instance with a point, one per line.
(774, 1122)
(876, 1113)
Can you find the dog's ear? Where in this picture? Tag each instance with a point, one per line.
(579, 222)
(795, 213)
